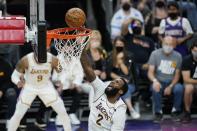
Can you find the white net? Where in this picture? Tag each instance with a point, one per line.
(69, 50)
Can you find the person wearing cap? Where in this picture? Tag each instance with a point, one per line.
(139, 47)
(176, 26)
(123, 14)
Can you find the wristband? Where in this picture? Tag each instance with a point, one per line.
(16, 77)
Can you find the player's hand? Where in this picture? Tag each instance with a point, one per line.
(20, 84)
(156, 86)
(1, 94)
(167, 91)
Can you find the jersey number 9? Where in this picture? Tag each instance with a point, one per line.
(39, 78)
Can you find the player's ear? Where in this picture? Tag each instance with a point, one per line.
(120, 92)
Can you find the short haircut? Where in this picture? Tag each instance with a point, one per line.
(174, 4)
(124, 87)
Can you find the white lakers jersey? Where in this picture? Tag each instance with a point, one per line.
(38, 73)
(105, 116)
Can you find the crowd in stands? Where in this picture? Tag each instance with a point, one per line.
(153, 41)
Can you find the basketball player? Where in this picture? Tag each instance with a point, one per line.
(72, 77)
(37, 82)
(108, 111)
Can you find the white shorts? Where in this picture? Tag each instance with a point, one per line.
(47, 93)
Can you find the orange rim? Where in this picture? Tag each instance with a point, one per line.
(59, 33)
(56, 33)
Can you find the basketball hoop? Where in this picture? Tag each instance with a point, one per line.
(69, 43)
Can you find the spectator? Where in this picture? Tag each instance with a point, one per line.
(139, 46)
(154, 19)
(72, 77)
(143, 8)
(164, 72)
(97, 55)
(177, 27)
(7, 92)
(189, 72)
(119, 67)
(124, 13)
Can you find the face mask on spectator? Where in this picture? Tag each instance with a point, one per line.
(119, 49)
(194, 54)
(173, 15)
(160, 4)
(126, 6)
(167, 49)
(137, 30)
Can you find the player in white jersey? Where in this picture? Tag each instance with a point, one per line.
(108, 111)
(72, 77)
(37, 83)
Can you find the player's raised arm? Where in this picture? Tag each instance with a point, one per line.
(89, 72)
(19, 71)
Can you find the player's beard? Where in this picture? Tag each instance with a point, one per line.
(110, 91)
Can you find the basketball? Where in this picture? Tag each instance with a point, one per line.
(75, 17)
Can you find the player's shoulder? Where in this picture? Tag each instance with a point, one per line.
(120, 104)
(27, 56)
(24, 62)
